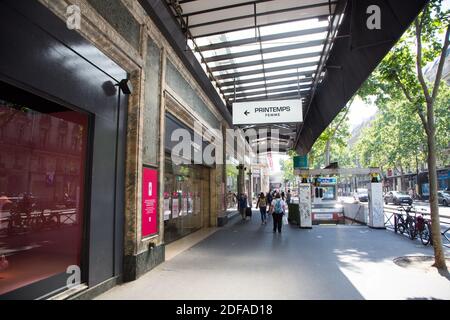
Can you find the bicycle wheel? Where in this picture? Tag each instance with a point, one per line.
(401, 227)
(425, 235)
(412, 230)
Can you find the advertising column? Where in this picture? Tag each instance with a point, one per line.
(149, 215)
(304, 195)
(376, 206)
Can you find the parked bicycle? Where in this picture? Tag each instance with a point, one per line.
(446, 235)
(406, 224)
(425, 235)
(427, 238)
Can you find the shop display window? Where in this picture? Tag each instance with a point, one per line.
(43, 153)
(185, 187)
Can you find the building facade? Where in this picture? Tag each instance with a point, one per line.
(91, 92)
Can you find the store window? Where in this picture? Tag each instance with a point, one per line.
(232, 186)
(41, 206)
(186, 187)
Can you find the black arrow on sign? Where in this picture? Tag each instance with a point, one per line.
(246, 112)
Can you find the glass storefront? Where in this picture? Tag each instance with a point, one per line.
(232, 186)
(232, 173)
(186, 196)
(42, 176)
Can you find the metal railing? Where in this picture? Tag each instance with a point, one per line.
(391, 213)
(37, 220)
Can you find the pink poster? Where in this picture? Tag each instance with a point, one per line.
(175, 206)
(149, 202)
(184, 207)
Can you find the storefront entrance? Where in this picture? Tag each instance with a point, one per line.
(186, 193)
(186, 189)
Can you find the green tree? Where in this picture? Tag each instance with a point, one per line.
(399, 79)
(332, 146)
(287, 167)
(392, 139)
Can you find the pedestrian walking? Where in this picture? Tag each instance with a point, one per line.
(279, 207)
(242, 205)
(269, 198)
(288, 197)
(262, 205)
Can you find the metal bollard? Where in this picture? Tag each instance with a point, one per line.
(395, 223)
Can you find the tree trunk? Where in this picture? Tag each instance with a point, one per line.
(402, 179)
(439, 256)
(327, 153)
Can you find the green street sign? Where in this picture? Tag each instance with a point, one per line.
(301, 162)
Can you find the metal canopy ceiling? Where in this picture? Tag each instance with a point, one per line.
(320, 50)
(259, 50)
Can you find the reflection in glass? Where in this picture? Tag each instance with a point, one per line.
(183, 195)
(42, 159)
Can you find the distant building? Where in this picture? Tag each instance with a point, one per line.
(430, 69)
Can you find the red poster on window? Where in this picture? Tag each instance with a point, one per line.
(149, 202)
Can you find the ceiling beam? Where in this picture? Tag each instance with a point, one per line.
(308, 77)
(185, 1)
(286, 95)
(231, 6)
(266, 61)
(323, 17)
(270, 37)
(246, 94)
(267, 70)
(260, 86)
(268, 92)
(299, 45)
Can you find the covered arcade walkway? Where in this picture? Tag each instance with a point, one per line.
(245, 260)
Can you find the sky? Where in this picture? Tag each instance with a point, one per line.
(359, 112)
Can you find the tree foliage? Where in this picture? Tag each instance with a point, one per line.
(414, 112)
(337, 135)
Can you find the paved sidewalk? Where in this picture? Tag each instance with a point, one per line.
(245, 260)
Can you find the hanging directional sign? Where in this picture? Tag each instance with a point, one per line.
(262, 112)
(300, 162)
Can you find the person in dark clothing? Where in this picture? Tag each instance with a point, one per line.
(288, 197)
(279, 207)
(242, 205)
(269, 198)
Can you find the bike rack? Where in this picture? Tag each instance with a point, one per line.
(390, 212)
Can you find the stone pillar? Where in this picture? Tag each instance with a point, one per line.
(145, 143)
(241, 179)
(250, 186)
